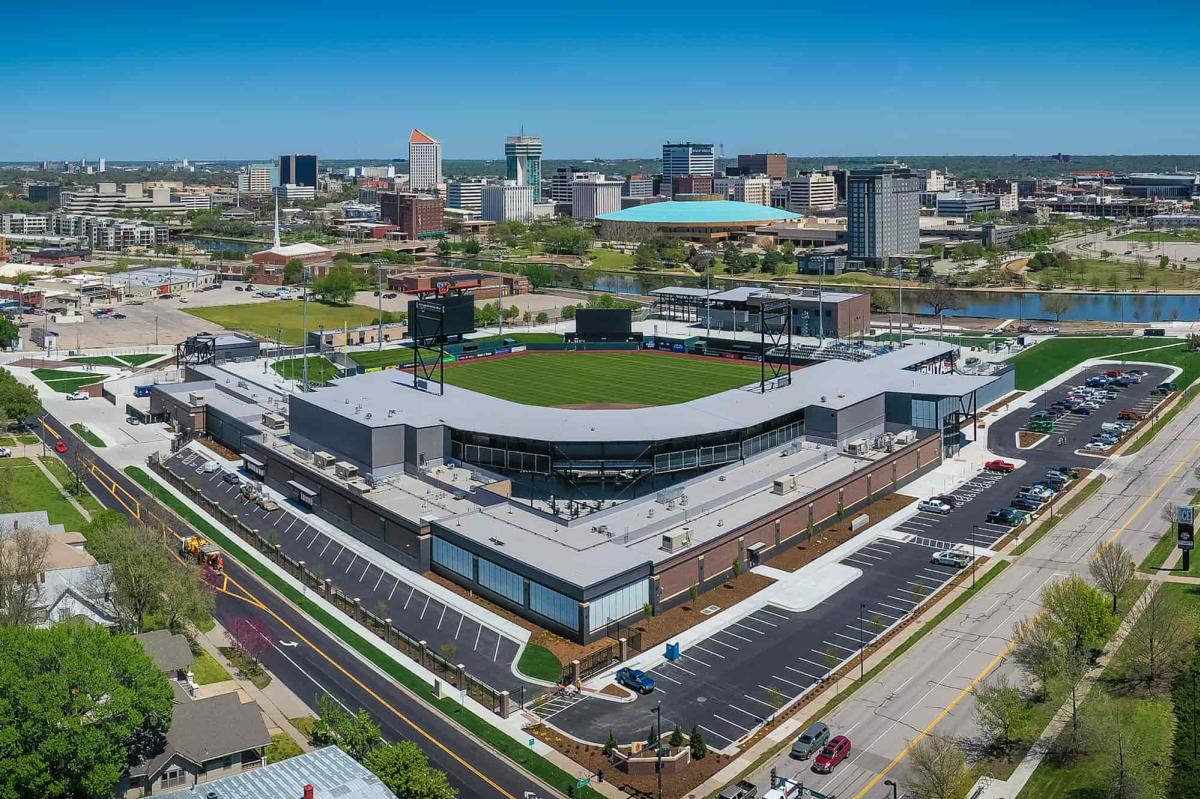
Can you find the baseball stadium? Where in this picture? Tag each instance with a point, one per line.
(576, 482)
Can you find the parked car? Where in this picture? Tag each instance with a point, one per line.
(810, 741)
(1085, 410)
(60, 447)
(270, 506)
(1024, 503)
(1004, 516)
(834, 752)
(210, 467)
(230, 477)
(1131, 413)
(5, 452)
(78, 395)
(951, 557)
(636, 680)
(119, 316)
(1166, 388)
(934, 506)
(739, 790)
(1112, 373)
(1037, 491)
(1097, 446)
(999, 466)
(948, 499)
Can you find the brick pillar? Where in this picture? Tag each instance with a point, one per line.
(327, 588)
(358, 611)
(276, 553)
(460, 677)
(624, 642)
(424, 653)
(387, 630)
(573, 672)
(505, 705)
(700, 571)
(584, 617)
(778, 533)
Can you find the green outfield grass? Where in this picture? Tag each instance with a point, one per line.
(577, 378)
(65, 381)
(394, 356)
(319, 369)
(286, 317)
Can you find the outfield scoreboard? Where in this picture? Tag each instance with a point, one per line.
(442, 318)
(603, 323)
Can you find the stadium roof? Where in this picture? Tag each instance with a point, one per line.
(698, 212)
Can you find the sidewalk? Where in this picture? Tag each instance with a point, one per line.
(277, 701)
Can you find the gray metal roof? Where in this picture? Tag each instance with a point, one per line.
(683, 291)
(169, 651)
(387, 398)
(332, 773)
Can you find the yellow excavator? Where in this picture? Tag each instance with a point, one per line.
(203, 552)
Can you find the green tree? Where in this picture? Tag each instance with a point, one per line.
(79, 704)
(568, 311)
(472, 247)
(338, 285)
(249, 271)
(356, 733)
(509, 233)
(444, 247)
(676, 738)
(17, 400)
(1057, 304)
(141, 567)
(293, 271)
(610, 744)
(646, 256)
(1112, 570)
(568, 240)
(406, 772)
(698, 746)
(542, 318)
(1002, 713)
(1078, 612)
(539, 275)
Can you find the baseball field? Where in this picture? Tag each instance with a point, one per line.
(601, 379)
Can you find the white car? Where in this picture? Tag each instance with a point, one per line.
(1096, 446)
(951, 557)
(5, 452)
(78, 395)
(210, 467)
(934, 506)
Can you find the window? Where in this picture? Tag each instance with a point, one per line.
(173, 777)
(619, 604)
(506, 583)
(454, 558)
(553, 605)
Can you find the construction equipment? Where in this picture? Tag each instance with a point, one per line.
(203, 552)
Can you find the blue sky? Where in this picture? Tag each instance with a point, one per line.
(249, 80)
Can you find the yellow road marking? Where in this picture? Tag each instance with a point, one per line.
(396, 712)
(941, 716)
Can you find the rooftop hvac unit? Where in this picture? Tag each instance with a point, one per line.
(785, 484)
(323, 460)
(196, 398)
(905, 437)
(359, 487)
(273, 421)
(676, 540)
(345, 471)
(302, 454)
(858, 448)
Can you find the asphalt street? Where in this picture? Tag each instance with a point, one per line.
(382, 585)
(310, 662)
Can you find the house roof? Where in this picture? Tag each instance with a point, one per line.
(204, 729)
(330, 771)
(421, 137)
(169, 651)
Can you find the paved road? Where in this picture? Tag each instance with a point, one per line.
(928, 688)
(732, 682)
(318, 663)
(385, 588)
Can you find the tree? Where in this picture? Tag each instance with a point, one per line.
(406, 772)
(882, 301)
(772, 261)
(9, 333)
(472, 247)
(79, 705)
(541, 318)
(1057, 304)
(1074, 664)
(22, 559)
(1113, 735)
(698, 746)
(141, 568)
(1160, 643)
(539, 275)
(444, 247)
(1163, 261)
(568, 240)
(356, 733)
(937, 769)
(186, 598)
(1078, 613)
(646, 257)
(1112, 570)
(249, 271)
(17, 400)
(250, 637)
(939, 299)
(293, 271)
(651, 738)
(676, 738)
(1001, 712)
(1036, 651)
(338, 285)
(509, 233)
(1139, 267)
(610, 745)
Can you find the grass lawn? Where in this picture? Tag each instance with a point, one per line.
(87, 435)
(576, 378)
(1154, 236)
(141, 358)
(393, 356)
(960, 341)
(62, 473)
(285, 317)
(282, 747)
(540, 663)
(1087, 775)
(1054, 356)
(29, 489)
(98, 360)
(207, 670)
(610, 259)
(319, 369)
(521, 338)
(65, 381)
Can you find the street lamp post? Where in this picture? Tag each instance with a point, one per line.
(974, 527)
(658, 747)
(891, 784)
(862, 608)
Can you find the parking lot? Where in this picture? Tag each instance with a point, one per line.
(385, 589)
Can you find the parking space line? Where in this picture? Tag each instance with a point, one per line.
(338, 555)
(789, 682)
(658, 676)
(862, 553)
(849, 637)
(290, 526)
(863, 563)
(773, 613)
(879, 542)
(364, 574)
(751, 629)
(839, 646)
(883, 553)
(889, 615)
(914, 593)
(805, 673)
(707, 651)
(300, 534)
(410, 596)
(713, 639)
(754, 716)
(476, 647)
(716, 734)
(393, 589)
(761, 702)
(351, 563)
(459, 628)
(498, 639)
(377, 582)
(425, 608)
(900, 599)
(938, 572)
(681, 668)
(439, 624)
(698, 660)
(761, 621)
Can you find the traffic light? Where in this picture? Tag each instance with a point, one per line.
(772, 777)
(570, 792)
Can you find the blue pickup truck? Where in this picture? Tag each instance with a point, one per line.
(636, 680)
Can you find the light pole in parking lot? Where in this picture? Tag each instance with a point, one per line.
(974, 528)
(862, 609)
(658, 745)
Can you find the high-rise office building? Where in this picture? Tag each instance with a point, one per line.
(755, 189)
(424, 161)
(686, 158)
(466, 195)
(417, 215)
(299, 170)
(883, 210)
(523, 155)
(773, 165)
(258, 178)
(642, 186)
(507, 202)
(42, 192)
(812, 191)
(595, 195)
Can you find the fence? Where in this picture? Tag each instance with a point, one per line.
(375, 621)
